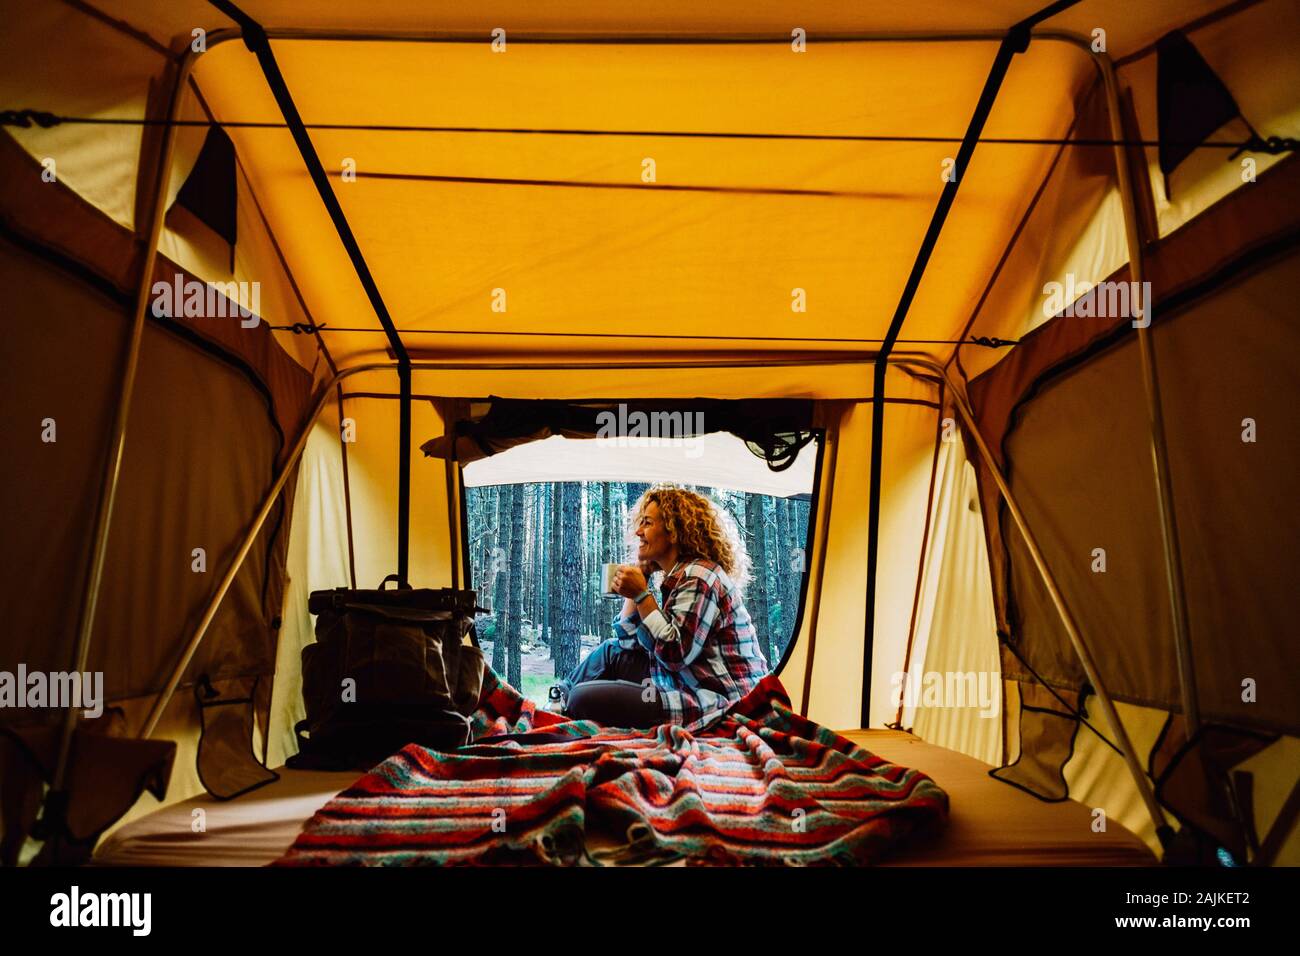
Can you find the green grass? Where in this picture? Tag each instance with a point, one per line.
(536, 686)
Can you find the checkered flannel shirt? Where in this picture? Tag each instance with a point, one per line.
(703, 649)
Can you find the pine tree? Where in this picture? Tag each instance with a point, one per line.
(621, 533)
(734, 502)
(756, 600)
(802, 510)
(787, 573)
(525, 555)
(606, 525)
(553, 557)
(635, 489)
(570, 560)
(501, 578)
(535, 564)
(543, 579)
(479, 532)
(516, 560)
(587, 598)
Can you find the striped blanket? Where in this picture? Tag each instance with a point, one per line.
(763, 786)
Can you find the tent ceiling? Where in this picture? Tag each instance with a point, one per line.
(611, 254)
(704, 259)
(1129, 25)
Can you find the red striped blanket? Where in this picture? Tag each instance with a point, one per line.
(762, 786)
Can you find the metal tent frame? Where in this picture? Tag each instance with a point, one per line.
(258, 41)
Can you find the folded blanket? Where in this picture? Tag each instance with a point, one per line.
(761, 786)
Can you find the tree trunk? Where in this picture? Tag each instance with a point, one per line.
(734, 507)
(635, 489)
(756, 598)
(608, 554)
(606, 525)
(541, 582)
(584, 600)
(534, 536)
(554, 551)
(516, 561)
(526, 555)
(787, 572)
(501, 578)
(480, 549)
(591, 561)
(570, 561)
(621, 534)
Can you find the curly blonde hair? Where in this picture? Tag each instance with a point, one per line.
(699, 527)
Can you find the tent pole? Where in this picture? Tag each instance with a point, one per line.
(55, 804)
(268, 503)
(404, 471)
(256, 40)
(453, 520)
(462, 522)
(1155, 415)
(1071, 628)
(1015, 40)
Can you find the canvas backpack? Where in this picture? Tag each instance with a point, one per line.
(388, 668)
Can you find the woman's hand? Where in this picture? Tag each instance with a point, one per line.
(629, 580)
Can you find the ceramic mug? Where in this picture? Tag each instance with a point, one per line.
(608, 572)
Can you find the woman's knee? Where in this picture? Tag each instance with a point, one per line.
(614, 703)
(608, 652)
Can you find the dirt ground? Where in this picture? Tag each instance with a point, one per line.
(535, 660)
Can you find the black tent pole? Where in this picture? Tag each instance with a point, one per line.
(256, 40)
(404, 474)
(1015, 41)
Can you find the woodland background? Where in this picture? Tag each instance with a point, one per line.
(536, 552)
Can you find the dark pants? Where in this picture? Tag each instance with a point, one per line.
(610, 685)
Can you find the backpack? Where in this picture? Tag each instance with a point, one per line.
(389, 668)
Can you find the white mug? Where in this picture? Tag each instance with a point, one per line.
(607, 577)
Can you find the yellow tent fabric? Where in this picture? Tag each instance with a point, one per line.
(611, 200)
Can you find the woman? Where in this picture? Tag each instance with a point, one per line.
(684, 655)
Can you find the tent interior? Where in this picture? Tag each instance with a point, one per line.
(900, 231)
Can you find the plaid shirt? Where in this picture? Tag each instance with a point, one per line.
(703, 649)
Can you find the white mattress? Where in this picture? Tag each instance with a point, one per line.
(991, 823)
(251, 830)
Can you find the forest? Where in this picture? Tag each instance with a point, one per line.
(536, 552)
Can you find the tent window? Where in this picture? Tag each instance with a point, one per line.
(523, 533)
